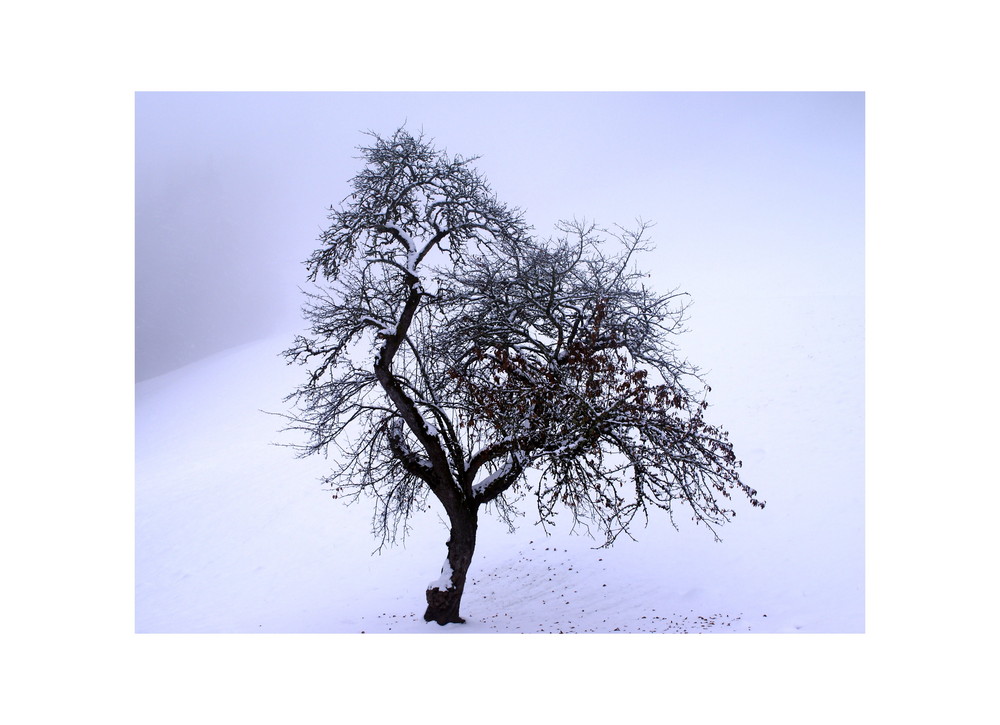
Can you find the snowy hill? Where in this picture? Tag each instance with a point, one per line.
(234, 534)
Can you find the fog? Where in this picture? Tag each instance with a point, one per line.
(749, 191)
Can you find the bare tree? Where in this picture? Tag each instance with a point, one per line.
(454, 353)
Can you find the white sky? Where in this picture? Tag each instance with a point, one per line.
(748, 190)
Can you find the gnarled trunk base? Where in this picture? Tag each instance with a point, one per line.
(444, 597)
(442, 606)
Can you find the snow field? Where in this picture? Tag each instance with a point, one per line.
(234, 534)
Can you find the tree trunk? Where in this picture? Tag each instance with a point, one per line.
(445, 595)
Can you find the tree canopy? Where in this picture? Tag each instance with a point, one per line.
(453, 353)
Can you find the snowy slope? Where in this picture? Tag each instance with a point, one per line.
(234, 534)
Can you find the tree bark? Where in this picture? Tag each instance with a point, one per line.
(445, 596)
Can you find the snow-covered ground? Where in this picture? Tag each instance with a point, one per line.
(235, 534)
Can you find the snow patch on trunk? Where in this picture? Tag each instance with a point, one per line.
(443, 582)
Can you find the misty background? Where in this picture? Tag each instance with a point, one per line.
(750, 192)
